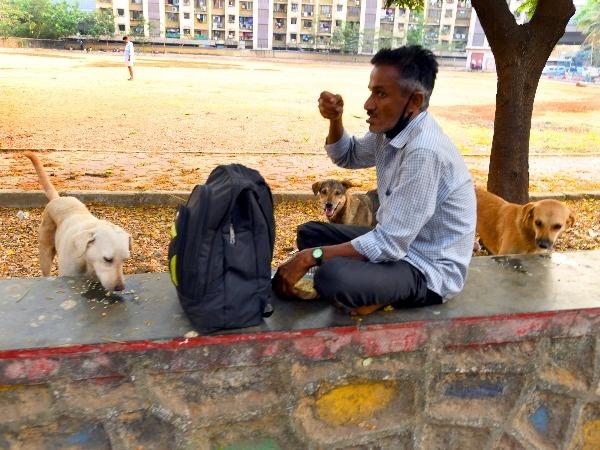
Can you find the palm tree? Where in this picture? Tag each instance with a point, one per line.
(588, 19)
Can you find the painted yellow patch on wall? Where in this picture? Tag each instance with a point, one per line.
(354, 403)
(591, 435)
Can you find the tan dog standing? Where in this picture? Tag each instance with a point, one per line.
(508, 228)
(84, 244)
(342, 207)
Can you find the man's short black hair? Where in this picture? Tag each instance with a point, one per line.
(415, 63)
(125, 38)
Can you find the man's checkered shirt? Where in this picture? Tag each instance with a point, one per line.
(428, 212)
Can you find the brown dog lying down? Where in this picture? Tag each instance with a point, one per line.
(508, 228)
(342, 207)
(84, 244)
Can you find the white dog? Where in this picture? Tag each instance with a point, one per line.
(84, 244)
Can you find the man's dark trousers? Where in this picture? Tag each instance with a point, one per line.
(353, 283)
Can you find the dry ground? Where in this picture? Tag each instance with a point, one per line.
(184, 115)
(150, 230)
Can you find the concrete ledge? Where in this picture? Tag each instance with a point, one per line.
(37, 199)
(510, 363)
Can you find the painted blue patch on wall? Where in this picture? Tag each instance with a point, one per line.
(539, 419)
(480, 390)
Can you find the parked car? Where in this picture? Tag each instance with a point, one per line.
(591, 73)
(554, 71)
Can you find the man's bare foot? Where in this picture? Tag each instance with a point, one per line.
(130, 79)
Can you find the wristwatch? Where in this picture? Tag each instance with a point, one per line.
(317, 253)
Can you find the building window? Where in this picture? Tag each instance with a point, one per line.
(354, 10)
(294, 21)
(294, 7)
(120, 12)
(121, 27)
(187, 32)
(448, 13)
(293, 37)
(307, 23)
(446, 29)
(338, 23)
(186, 15)
(231, 3)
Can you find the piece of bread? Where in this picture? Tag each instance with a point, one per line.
(306, 290)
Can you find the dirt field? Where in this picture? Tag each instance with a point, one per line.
(184, 115)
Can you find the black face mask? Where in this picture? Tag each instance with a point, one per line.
(402, 122)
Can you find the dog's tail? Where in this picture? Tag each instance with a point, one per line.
(50, 191)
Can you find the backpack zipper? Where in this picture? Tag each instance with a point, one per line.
(231, 234)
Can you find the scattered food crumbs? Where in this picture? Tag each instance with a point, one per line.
(190, 334)
(68, 304)
(388, 308)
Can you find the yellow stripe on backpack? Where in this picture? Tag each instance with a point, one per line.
(173, 270)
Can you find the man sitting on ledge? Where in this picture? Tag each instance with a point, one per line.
(418, 253)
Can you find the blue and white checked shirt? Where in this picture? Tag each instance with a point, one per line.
(427, 214)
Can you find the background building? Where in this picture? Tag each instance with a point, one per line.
(358, 26)
(479, 53)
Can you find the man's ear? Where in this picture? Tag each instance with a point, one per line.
(527, 212)
(316, 187)
(347, 184)
(417, 101)
(83, 241)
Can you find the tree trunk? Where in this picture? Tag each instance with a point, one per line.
(521, 52)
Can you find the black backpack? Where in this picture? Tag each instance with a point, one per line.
(221, 250)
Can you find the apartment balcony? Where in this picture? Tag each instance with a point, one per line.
(325, 31)
(279, 29)
(136, 7)
(246, 28)
(218, 26)
(325, 17)
(201, 9)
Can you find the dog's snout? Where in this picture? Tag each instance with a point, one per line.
(119, 287)
(544, 243)
(328, 205)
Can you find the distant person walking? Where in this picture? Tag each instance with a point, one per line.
(129, 56)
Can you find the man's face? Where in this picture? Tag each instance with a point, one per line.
(387, 101)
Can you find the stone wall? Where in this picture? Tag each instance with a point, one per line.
(525, 381)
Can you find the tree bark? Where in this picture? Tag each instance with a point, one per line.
(520, 51)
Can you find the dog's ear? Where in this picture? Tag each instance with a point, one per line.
(571, 219)
(347, 184)
(83, 241)
(316, 187)
(527, 212)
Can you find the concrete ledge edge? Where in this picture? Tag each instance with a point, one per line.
(14, 198)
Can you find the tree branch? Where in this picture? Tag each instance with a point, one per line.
(549, 21)
(498, 23)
